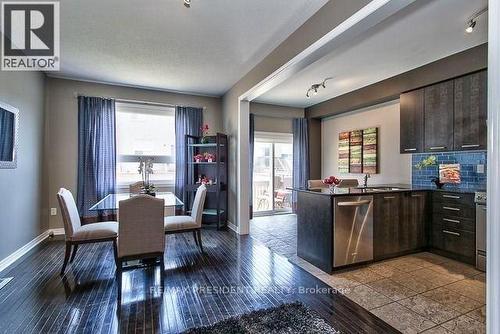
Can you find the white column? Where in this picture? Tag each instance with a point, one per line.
(243, 178)
(493, 228)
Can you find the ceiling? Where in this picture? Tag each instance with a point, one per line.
(425, 31)
(161, 44)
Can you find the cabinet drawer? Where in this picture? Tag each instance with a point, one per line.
(454, 198)
(455, 241)
(452, 210)
(454, 222)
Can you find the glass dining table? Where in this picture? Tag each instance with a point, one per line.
(112, 201)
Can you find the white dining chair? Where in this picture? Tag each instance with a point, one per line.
(140, 231)
(191, 223)
(75, 233)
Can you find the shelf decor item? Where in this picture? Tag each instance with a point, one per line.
(204, 133)
(209, 157)
(198, 158)
(146, 169)
(206, 163)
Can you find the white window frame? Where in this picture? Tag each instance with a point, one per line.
(148, 109)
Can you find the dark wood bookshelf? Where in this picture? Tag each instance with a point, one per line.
(216, 202)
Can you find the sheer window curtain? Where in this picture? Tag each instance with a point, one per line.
(188, 121)
(96, 155)
(300, 156)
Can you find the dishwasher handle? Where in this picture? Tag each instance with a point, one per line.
(354, 203)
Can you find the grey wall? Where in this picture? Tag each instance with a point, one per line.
(61, 142)
(20, 188)
(271, 118)
(323, 21)
(393, 166)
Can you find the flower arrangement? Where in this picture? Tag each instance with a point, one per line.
(146, 169)
(209, 157)
(331, 181)
(204, 133)
(198, 158)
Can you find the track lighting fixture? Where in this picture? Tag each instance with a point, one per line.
(314, 88)
(471, 23)
(187, 3)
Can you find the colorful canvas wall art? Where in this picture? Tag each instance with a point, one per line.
(358, 151)
(449, 173)
(356, 156)
(343, 152)
(370, 150)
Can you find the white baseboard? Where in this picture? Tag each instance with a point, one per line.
(233, 227)
(56, 231)
(4, 263)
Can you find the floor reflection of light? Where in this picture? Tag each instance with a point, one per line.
(75, 319)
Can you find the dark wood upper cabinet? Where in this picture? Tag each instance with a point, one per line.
(438, 117)
(412, 121)
(470, 131)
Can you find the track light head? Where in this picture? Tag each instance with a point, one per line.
(470, 26)
(187, 3)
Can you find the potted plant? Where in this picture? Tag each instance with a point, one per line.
(198, 158)
(146, 169)
(209, 157)
(204, 133)
(331, 181)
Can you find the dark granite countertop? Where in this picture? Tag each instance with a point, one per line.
(381, 188)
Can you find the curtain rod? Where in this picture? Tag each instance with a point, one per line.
(274, 116)
(76, 95)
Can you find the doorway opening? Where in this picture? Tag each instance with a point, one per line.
(272, 173)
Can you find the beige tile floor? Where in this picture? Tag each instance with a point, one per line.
(419, 293)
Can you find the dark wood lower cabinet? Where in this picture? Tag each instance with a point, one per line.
(400, 221)
(454, 226)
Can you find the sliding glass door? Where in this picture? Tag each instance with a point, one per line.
(272, 173)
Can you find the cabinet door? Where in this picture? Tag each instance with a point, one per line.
(412, 121)
(438, 114)
(416, 213)
(386, 225)
(470, 112)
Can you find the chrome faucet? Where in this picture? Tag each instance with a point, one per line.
(365, 180)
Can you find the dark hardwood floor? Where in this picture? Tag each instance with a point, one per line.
(235, 275)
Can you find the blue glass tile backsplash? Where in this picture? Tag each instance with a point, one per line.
(468, 169)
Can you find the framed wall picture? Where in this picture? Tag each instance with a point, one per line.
(449, 173)
(343, 164)
(358, 151)
(370, 165)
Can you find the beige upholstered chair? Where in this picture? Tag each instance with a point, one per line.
(348, 183)
(140, 231)
(192, 223)
(316, 184)
(135, 188)
(76, 234)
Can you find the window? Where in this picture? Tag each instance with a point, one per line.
(145, 131)
(272, 172)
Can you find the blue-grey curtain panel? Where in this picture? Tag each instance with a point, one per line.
(96, 153)
(300, 154)
(250, 152)
(7, 120)
(188, 121)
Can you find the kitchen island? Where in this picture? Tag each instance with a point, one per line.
(347, 226)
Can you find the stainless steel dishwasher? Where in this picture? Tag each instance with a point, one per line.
(352, 230)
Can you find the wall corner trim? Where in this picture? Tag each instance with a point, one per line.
(12, 258)
(233, 227)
